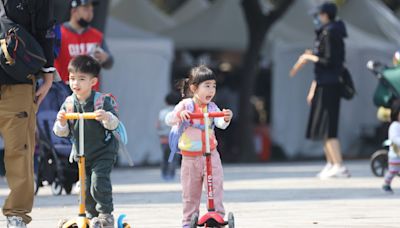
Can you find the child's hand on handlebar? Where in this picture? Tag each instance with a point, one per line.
(61, 117)
(184, 115)
(228, 115)
(101, 115)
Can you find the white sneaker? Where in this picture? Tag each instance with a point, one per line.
(337, 171)
(326, 168)
(15, 222)
(95, 223)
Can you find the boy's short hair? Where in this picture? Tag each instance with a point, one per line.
(172, 98)
(84, 64)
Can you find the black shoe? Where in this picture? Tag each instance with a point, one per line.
(386, 188)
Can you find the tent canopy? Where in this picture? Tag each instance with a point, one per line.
(139, 80)
(142, 14)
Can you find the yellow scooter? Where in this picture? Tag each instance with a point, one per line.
(82, 221)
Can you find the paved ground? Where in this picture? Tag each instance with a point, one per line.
(266, 195)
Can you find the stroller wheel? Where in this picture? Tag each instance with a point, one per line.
(68, 188)
(379, 163)
(231, 220)
(56, 188)
(193, 221)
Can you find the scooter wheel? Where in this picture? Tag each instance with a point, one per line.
(231, 220)
(194, 220)
(61, 223)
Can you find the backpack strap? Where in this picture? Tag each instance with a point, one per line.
(69, 106)
(98, 101)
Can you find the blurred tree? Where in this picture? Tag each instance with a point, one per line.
(258, 23)
(62, 11)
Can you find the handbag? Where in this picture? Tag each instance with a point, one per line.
(347, 89)
(21, 56)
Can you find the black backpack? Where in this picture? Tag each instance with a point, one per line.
(21, 56)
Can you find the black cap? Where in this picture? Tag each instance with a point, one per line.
(76, 3)
(328, 8)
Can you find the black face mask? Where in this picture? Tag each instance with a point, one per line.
(83, 23)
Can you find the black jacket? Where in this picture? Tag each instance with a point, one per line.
(330, 48)
(17, 11)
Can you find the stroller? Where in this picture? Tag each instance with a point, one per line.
(53, 167)
(387, 91)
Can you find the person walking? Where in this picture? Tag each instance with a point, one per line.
(19, 101)
(324, 96)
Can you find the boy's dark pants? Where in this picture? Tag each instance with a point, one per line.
(17, 127)
(167, 168)
(98, 187)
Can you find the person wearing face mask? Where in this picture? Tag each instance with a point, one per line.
(324, 96)
(79, 38)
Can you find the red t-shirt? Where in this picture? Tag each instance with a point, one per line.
(74, 44)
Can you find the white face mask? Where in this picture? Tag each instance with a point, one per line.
(317, 22)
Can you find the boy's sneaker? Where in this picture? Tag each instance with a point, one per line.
(387, 189)
(95, 223)
(107, 220)
(15, 222)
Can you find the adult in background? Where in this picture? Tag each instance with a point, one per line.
(18, 104)
(324, 96)
(79, 38)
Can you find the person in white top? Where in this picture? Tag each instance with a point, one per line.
(394, 150)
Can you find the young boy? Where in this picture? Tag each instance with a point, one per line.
(100, 144)
(167, 168)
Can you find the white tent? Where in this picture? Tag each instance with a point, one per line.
(189, 10)
(139, 80)
(374, 18)
(221, 26)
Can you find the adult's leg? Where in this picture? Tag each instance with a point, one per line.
(327, 154)
(335, 151)
(18, 125)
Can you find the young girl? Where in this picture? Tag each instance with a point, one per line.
(200, 87)
(394, 151)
